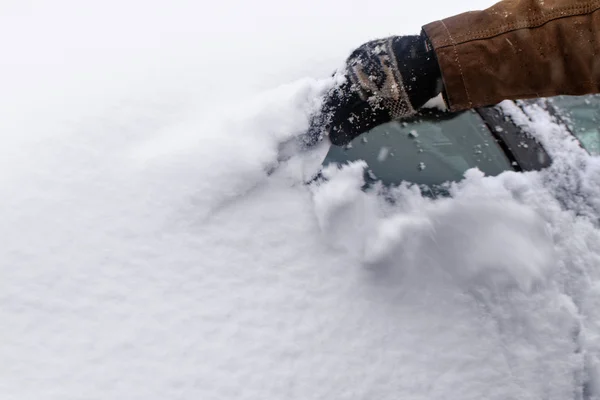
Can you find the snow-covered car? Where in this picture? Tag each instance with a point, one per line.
(438, 147)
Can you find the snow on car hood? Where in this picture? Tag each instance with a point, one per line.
(146, 254)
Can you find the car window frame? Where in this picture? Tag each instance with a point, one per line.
(524, 151)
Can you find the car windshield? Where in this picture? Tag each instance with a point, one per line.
(430, 150)
(581, 114)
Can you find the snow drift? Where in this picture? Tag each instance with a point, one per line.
(146, 254)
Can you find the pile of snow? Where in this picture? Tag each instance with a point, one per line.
(146, 254)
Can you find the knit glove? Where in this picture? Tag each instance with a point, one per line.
(384, 80)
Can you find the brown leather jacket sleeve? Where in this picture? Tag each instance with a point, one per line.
(518, 49)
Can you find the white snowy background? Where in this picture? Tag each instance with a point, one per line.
(145, 255)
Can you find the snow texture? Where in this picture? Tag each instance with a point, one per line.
(146, 254)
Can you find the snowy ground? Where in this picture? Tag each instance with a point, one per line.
(145, 254)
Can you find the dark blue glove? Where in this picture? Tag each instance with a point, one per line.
(386, 79)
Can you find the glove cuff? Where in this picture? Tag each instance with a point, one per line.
(417, 65)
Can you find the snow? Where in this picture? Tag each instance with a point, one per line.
(146, 254)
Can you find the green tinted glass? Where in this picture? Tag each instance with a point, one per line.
(582, 116)
(429, 151)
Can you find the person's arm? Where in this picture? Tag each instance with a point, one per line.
(518, 49)
(515, 49)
